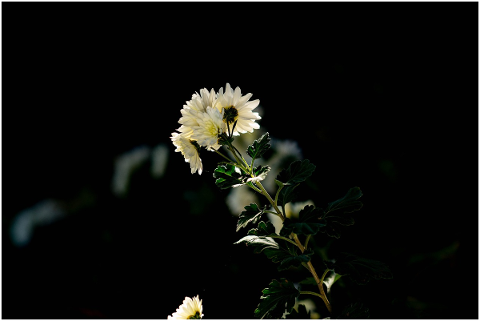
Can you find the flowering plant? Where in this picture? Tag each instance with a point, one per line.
(213, 120)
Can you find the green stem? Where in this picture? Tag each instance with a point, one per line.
(219, 153)
(283, 238)
(314, 274)
(310, 292)
(276, 197)
(322, 292)
(249, 184)
(306, 241)
(274, 204)
(240, 154)
(234, 151)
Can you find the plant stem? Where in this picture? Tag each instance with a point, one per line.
(310, 292)
(306, 241)
(314, 274)
(283, 238)
(223, 156)
(265, 193)
(322, 292)
(249, 184)
(302, 248)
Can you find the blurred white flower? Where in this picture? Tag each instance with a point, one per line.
(240, 197)
(190, 309)
(235, 107)
(309, 306)
(210, 126)
(284, 149)
(124, 165)
(291, 211)
(159, 160)
(189, 149)
(25, 222)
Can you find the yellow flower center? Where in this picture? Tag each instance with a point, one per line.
(212, 129)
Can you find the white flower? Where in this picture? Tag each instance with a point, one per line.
(190, 309)
(197, 105)
(236, 107)
(210, 126)
(189, 149)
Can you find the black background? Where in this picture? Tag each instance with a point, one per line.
(378, 95)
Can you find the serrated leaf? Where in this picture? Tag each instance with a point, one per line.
(281, 252)
(360, 270)
(263, 229)
(286, 255)
(301, 314)
(330, 280)
(259, 147)
(297, 172)
(276, 299)
(349, 203)
(306, 224)
(260, 173)
(227, 176)
(260, 243)
(286, 195)
(252, 214)
(336, 214)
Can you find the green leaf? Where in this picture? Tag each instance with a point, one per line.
(227, 176)
(286, 194)
(297, 172)
(360, 270)
(330, 280)
(276, 299)
(259, 147)
(309, 281)
(252, 214)
(263, 229)
(337, 215)
(260, 173)
(282, 252)
(301, 314)
(349, 203)
(260, 243)
(286, 254)
(307, 223)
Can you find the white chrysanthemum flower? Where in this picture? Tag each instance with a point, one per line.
(189, 149)
(237, 108)
(193, 108)
(210, 127)
(190, 309)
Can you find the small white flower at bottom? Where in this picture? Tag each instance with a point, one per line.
(189, 150)
(190, 309)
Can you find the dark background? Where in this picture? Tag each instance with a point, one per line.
(383, 96)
